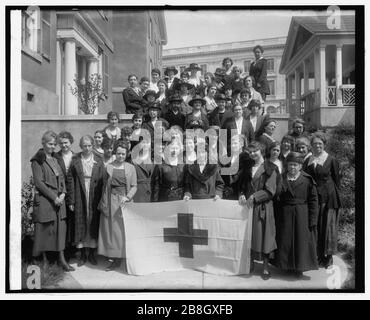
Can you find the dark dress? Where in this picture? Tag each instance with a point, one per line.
(85, 201)
(266, 140)
(168, 182)
(327, 179)
(295, 224)
(203, 185)
(144, 174)
(259, 71)
(175, 119)
(49, 219)
(70, 237)
(264, 185)
(193, 122)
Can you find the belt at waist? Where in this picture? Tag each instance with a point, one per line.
(144, 180)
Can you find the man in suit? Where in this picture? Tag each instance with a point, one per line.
(174, 115)
(237, 124)
(132, 96)
(170, 72)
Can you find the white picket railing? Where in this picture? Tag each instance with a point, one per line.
(348, 94)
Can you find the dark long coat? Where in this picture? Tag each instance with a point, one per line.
(203, 185)
(264, 186)
(295, 222)
(70, 215)
(168, 182)
(134, 102)
(327, 178)
(175, 119)
(144, 174)
(48, 187)
(76, 183)
(259, 71)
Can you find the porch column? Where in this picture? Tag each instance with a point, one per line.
(58, 74)
(297, 80)
(323, 87)
(338, 73)
(289, 95)
(92, 67)
(305, 76)
(70, 101)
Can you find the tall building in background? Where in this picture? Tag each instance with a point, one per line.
(210, 57)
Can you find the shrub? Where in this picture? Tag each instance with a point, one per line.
(27, 203)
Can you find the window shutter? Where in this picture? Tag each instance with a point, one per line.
(45, 27)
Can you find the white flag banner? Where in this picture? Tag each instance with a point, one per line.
(205, 235)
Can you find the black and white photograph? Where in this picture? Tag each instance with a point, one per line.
(185, 149)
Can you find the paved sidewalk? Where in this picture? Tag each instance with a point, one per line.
(95, 277)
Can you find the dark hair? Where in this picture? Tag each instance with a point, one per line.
(258, 47)
(131, 75)
(157, 71)
(99, 131)
(121, 144)
(137, 115)
(65, 135)
(254, 103)
(86, 137)
(184, 73)
(126, 131)
(244, 90)
(111, 114)
(227, 59)
(107, 143)
(290, 139)
(270, 147)
(258, 146)
(211, 75)
(318, 135)
(252, 78)
(144, 79)
(162, 81)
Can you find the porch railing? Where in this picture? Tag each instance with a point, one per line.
(331, 95)
(348, 94)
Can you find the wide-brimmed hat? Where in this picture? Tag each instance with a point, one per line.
(197, 98)
(294, 157)
(149, 93)
(175, 97)
(221, 72)
(178, 85)
(220, 96)
(171, 68)
(193, 66)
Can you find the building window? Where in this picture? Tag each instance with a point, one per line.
(204, 69)
(182, 69)
(30, 30)
(247, 65)
(45, 27)
(105, 72)
(272, 87)
(270, 65)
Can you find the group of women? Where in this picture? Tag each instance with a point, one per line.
(292, 185)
